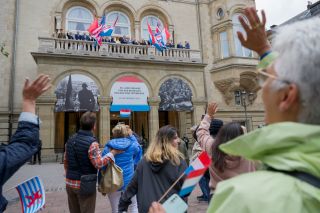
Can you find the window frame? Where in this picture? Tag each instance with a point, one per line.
(222, 56)
(236, 26)
(77, 20)
(152, 27)
(120, 24)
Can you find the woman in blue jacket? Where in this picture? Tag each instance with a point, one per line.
(123, 139)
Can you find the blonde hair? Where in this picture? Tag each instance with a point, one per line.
(162, 148)
(120, 131)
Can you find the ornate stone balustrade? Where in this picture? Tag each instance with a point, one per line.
(113, 50)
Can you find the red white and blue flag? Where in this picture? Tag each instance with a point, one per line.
(108, 30)
(194, 173)
(95, 30)
(151, 36)
(32, 195)
(125, 113)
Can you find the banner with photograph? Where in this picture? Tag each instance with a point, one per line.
(77, 93)
(130, 93)
(175, 95)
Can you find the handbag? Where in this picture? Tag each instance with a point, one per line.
(88, 183)
(111, 179)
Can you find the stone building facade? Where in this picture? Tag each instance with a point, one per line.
(215, 68)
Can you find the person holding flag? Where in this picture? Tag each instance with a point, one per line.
(24, 143)
(161, 166)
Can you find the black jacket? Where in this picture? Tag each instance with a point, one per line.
(150, 182)
(79, 162)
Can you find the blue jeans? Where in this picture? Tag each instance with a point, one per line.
(204, 186)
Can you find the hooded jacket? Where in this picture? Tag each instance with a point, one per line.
(131, 156)
(284, 146)
(150, 182)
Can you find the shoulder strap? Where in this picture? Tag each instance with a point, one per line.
(303, 176)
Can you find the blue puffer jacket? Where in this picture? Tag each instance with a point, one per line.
(128, 159)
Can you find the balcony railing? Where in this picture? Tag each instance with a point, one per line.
(113, 50)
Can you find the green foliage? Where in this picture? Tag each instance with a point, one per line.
(3, 50)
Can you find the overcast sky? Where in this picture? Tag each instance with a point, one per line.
(279, 11)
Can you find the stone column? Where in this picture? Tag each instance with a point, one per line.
(231, 41)
(45, 111)
(153, 117)
(137, 27)
(199, 105)
(104, 122)
(58, 22)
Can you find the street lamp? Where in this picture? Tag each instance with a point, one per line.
(244, 99)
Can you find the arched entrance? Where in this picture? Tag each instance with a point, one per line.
(175, 107)
(75, 95)
(130, 105)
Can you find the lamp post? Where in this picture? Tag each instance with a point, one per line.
(244, 99)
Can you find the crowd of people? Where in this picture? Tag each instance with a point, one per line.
(116, 40)
(288, 147)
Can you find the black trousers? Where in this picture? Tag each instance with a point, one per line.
(35, 157)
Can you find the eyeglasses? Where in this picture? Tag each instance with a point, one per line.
(263, 76)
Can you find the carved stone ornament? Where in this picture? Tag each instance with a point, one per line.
(247, 82)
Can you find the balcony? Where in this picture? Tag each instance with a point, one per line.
(113, 50)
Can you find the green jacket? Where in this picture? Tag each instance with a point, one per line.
(283, 146)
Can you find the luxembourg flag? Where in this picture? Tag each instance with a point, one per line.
(108, 30)
(32, 195)
(194, 173)
(125, 113)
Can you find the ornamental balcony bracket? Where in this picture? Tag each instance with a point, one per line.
(247, 82)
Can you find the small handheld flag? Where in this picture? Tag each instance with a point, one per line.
(194, 173)
(125, 113)
(32, 195)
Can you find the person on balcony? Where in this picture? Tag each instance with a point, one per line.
(187, 45)
(78, 36)
(179, 45)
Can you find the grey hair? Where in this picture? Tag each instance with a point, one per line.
(298, 45)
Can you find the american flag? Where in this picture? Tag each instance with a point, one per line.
(32, 195)
(194, 173)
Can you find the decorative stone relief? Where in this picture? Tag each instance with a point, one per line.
(247, 82)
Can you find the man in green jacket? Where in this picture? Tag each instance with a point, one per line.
(290, 144)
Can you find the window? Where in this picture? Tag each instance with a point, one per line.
(240, 50)
(220, 13)
(237, 97)
(122, 27)
(153, 21)
(78, 19)
(224, 45)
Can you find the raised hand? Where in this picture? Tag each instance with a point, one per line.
(212, 109)
(32, 90)
(256, 34)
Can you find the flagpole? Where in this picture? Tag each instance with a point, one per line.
(165, 194)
